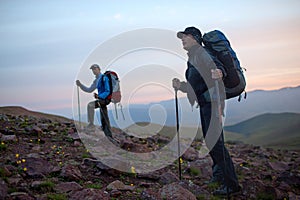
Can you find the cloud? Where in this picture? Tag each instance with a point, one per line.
(117, 16)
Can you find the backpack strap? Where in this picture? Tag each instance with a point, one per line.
(240, 96)
(110, 83)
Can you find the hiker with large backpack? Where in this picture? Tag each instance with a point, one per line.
(205, 75)
(101, 83)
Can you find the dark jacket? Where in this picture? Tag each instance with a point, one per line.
(200, 85)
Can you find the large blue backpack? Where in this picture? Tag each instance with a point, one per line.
(218, 46)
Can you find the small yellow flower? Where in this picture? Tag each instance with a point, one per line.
(17, 155)
(241, 164)
(25, 169)
(87, 151)
(23, 160)
(57, 152)
(133, 169)
(2, 143)
(131, 184)
(60, 163)
(181, 161)
(31, 140)
(39, 140)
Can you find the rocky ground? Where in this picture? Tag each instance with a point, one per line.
(42, 157)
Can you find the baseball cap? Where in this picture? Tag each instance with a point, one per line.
(196, 33)
(94, 66)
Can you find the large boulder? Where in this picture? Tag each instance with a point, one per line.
(176, 192)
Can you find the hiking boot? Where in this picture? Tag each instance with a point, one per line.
(222, 191)
(112, 140)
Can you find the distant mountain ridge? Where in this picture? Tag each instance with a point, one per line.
(258, 102)
(261, 101)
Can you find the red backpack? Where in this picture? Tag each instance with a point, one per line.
(114, 84)
(115, 90)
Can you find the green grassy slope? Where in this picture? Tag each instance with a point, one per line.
(274, 130)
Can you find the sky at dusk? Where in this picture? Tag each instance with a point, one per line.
(44, 44)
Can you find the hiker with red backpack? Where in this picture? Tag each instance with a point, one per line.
(205, 75)
(101, 83)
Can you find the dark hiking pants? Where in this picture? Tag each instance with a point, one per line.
(213, 134)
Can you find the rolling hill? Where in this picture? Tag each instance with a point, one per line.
(279, 130)
(20, 111)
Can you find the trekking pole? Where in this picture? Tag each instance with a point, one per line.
(78, 101)
(219, 114)
(177, 129)
(122, 111)
(116, 111)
